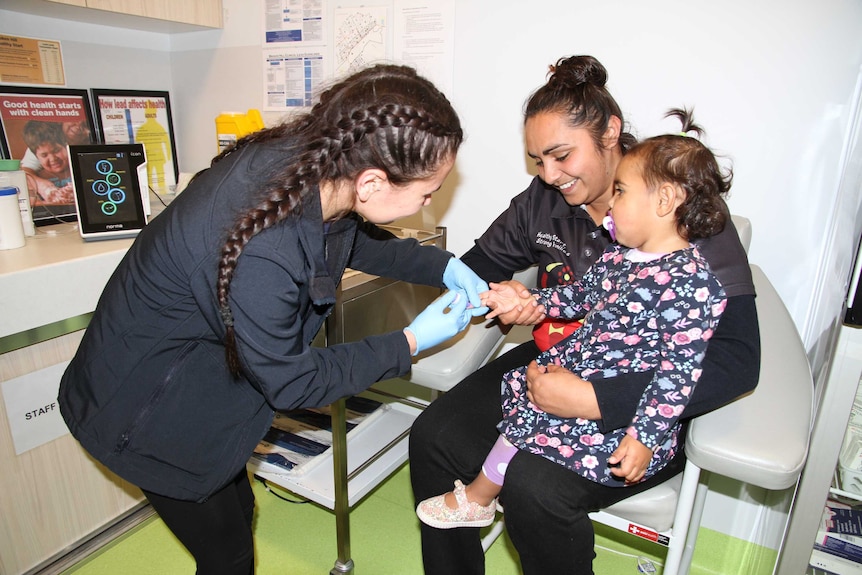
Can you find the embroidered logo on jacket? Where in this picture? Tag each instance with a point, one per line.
(552, 241)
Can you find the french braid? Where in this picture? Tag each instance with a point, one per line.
(384, 117)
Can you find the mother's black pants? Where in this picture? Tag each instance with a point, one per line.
(546, 505)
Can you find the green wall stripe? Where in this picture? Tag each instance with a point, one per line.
(44, 333)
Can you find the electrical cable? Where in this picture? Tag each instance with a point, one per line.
(153, 192)
(282, 497)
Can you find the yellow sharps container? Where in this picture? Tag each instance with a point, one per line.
(231, 126)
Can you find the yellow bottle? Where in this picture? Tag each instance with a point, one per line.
(231, 126)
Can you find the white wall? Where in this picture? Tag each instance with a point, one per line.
(772, 82)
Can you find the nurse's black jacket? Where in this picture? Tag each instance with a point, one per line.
(148, 392)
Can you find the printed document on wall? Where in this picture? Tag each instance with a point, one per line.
(292, 77)
(294, 22)
(425, 39)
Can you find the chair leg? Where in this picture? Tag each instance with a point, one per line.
(496, 531)
(682, 519)
(694, 524)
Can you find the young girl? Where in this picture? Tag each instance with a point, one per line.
(650, 303)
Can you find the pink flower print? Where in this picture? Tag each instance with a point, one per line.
(701, 294)
(605, 336)
(681, 338)
(566, 451)
(590, 461)
(662, 278)
(694, 313)
(666, 365)
(643, 273)
(515, 385)
(606, 285)
(649, 411)
(594, 439)
(564, 428)
(668, 411)
(695, 374)
(668, 295)
(695, 333)
(542, 439)
(634, 307)
(686, 389)
(707, 335)
(613, 297)
(718, 308)
(554, 442)
(623, 363)
(632, 339)
(690, 267)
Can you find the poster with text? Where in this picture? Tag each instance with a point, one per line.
(132, 117)
(37, 125)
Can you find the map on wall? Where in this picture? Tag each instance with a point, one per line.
(360, 38)
(308, 43)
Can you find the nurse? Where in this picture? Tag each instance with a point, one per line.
(206, 326)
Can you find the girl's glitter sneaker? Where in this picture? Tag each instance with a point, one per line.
(436, 513)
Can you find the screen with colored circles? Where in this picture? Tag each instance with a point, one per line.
(108, 189)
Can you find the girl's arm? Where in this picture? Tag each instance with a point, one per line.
(730, 369)
(684, 332)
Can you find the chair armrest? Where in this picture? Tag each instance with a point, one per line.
(762, 438)
(444, 366)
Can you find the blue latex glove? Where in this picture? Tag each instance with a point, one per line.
(435, 325)
(459, 277)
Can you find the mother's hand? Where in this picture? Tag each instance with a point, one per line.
(558, 391)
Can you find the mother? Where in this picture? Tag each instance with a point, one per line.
(575, 132)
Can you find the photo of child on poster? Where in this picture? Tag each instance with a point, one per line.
(144, 118)
(37, 125)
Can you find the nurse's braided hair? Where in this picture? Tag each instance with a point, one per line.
(576, 88)
(385, 117)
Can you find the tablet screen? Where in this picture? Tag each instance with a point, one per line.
(108, 189)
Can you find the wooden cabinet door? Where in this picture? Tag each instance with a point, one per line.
(200, 12)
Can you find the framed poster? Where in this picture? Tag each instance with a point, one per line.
(37, 124)
(141, 117)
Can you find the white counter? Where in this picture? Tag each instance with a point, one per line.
(55, 276)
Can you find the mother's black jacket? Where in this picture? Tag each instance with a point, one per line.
(148, 392)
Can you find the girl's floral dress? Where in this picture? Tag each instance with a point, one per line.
(655, 315)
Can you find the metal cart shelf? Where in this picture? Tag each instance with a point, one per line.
(356, 464)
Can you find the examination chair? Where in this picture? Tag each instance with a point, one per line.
(760, 439)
